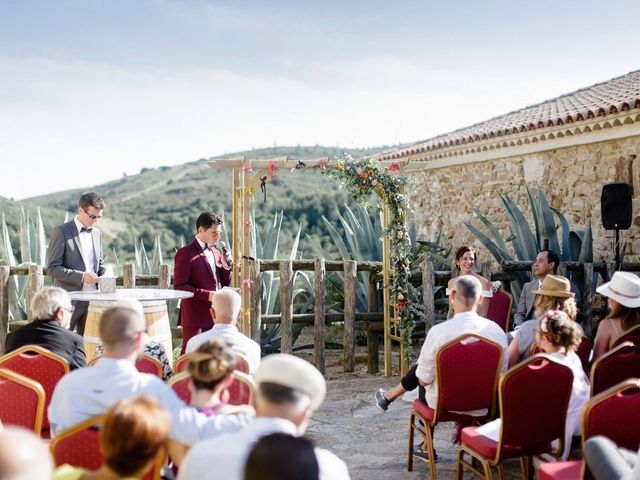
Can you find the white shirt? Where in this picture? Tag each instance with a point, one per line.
(459, 324)
(239, 342)
(90, 391)
(224, 457)
(88, 253)
(210, 258)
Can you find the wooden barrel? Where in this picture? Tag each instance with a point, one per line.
(155, 314)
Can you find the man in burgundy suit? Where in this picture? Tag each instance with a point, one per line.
(202, 268)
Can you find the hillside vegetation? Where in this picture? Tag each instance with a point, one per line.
(165, 201)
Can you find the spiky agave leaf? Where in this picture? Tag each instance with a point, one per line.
(41, 241)
(524, 243)
(548, 225)
(25, 237)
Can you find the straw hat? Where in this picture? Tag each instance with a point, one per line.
(555, 286)
(624, 288)
(294, 373)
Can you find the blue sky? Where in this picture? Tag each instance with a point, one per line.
(112, 86)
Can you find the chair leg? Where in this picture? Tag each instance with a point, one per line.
(500, 469)
(428, 442)
(524, 467)
(412, 419)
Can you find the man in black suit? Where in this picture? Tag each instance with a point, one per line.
(51, 310)
(74, 257)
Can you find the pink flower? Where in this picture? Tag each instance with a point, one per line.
(374, 182)
(394, 167)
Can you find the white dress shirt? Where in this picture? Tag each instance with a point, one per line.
(88, 253)
(211, 259)
(224, 457)
(90, 391)
(239, 342)
(459, 324)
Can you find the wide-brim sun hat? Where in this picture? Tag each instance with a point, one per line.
(624, 288)
(555, 286)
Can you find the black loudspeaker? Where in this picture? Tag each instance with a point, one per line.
(615, 204)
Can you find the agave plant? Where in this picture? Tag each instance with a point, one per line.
(571, 245)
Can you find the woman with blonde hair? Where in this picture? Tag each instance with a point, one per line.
(554, 294)
(623, 297)
(134, 431)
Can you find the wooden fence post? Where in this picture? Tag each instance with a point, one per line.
(587, 299)
(350, 276)
(319, 292)
(373, 344)
(562, 270)
(129, 275)
(286, 306)
(164, 276)
(5, 273)
(35, 282)
(611, 268)
(256, 301)
(428, 282)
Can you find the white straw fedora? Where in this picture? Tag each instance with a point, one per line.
(624, 288)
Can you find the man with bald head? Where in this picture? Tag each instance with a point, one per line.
(87, 392)
(23, 456)
(226, 307)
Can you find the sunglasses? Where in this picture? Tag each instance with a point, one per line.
(92, 217)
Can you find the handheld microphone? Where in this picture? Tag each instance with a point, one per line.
(225, 251)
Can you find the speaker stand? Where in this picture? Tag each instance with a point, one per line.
(618, 260)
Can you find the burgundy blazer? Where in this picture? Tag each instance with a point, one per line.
(192, 273)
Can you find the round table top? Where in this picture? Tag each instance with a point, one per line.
(141, 294)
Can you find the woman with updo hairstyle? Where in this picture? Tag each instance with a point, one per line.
(133, 432)
(559, 336)
(465, 261)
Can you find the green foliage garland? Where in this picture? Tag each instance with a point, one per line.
(363, 178)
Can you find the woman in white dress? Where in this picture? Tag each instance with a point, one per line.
(465, 262)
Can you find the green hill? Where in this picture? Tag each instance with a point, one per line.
(165, 201)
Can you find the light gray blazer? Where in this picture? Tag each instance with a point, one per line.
(65, 263)
(525, 303)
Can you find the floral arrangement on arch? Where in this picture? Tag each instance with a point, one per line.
(366, 177)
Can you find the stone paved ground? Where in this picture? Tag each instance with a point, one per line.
(372, 443)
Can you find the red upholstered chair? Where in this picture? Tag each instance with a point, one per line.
(79, 446)
(632, 335)
(242, 363)
(500, 308)
(467, 374)
(148, 364)
(614, 413)
(534, 397)
(571, 470)
(615, 366)
(242, 389)
(180, 365)
(180, 384)
(584, 352)
(41, 365)
(21, 401)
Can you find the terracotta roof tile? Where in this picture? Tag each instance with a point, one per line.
(613, 96)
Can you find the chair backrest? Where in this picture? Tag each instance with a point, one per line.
(615, 413)
(534, 397)
(468, 368)
(242, 363)
(615, 366)
(79, 446)
(500, 308)
(181, 363)
(148, 364)
(180, 384)
(632, 335)
(584, 352)
(21, 401)
(39, 364)
(242, 389)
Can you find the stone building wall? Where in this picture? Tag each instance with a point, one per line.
(571, 178)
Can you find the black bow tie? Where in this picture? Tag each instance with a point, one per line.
(85, 229)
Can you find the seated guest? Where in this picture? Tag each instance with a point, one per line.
(623, 296)
(465, 263)
(289, 389)
(554, 294)
(51, 311)
(23, 456)
(280, 456)
(607, 461)
(226, 306)
(133, 432)
(87, 392)
(558, 335)
(465, 297)
(152, 348)
(547, 263)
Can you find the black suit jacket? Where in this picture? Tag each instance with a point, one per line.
(53, 337)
